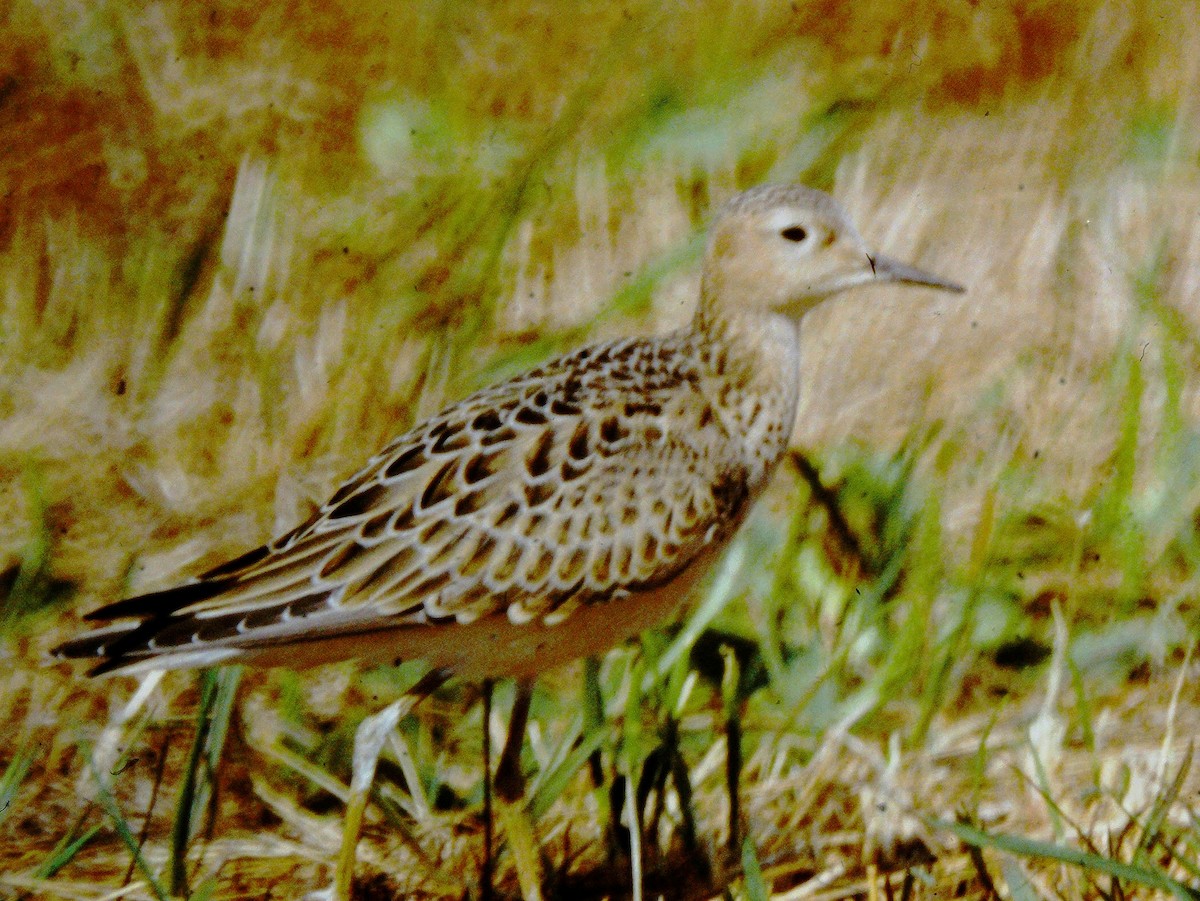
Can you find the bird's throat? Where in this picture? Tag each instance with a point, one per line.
(761, 380)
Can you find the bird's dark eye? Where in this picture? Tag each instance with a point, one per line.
(795, 233)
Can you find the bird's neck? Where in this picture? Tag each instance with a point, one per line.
(755, 362)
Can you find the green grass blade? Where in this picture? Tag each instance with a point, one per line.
(1042, 785)
(955, 647)
(112, 810)
(979, 766)
(228, 678)
(1019, 886)
(556, 782)
(206, 891)
(1027, 847)
(1084, 716)
(752, 874)
(14, 775)
(217, 694)
(720, 593)
(64, 852)
(189, 788)
(1152, 832)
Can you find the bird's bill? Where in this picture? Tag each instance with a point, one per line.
(886, 269)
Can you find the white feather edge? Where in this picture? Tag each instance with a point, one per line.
(180, 660)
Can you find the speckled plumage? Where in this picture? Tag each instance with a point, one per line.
(548, 516)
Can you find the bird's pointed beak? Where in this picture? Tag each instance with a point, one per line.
(886, 269)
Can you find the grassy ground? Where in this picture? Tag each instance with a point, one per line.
(240, 247)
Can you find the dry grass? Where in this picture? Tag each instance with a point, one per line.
(241, 247)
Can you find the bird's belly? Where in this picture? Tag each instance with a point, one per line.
(495, 647)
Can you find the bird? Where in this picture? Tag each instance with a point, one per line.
(547, 517)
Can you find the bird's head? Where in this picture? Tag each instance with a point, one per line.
(785, 248)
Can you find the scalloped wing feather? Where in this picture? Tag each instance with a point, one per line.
(604, 472)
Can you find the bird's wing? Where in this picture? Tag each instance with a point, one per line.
(605, 472)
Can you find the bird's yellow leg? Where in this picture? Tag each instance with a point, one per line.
(514, 806)
(487, 870)
(873, 883)
(368, 742)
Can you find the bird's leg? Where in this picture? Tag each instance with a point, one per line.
(510, 791)
(368, 742)
(510, 781)
(485, 875)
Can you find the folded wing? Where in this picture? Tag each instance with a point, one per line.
(603, 473)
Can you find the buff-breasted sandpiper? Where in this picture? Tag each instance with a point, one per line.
(547, 517)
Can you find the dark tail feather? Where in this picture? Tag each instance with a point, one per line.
(158, 603)
(97, 643)
(110, 664)
(164, 628)
(113, 644)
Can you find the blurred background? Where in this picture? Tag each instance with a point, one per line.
(243, 246)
